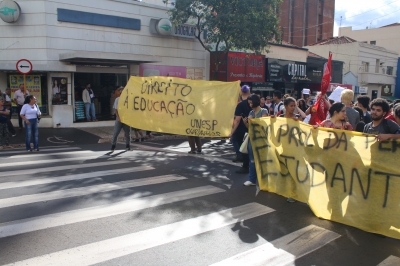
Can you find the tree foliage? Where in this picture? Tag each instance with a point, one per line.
(230, 24)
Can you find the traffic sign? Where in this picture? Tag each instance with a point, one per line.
(24, 66)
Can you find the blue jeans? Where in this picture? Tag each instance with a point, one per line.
(252, 165)
(32, 130)
(117, 128)
(89, 107)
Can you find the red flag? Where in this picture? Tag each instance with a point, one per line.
(318, 110)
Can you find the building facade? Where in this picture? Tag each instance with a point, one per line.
(371, 69)
(71, 43)
(304, 22)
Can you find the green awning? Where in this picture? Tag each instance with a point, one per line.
(390, 98)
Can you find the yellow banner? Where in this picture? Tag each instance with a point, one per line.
(343, 176)
(179, 106)
(33, 85)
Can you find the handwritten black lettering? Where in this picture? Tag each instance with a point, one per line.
(313, 167)
(339, 166)
(388, 175)
(354, 172)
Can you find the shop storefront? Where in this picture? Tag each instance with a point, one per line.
(94, 44)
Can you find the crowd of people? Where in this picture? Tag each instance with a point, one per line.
(376, 117)
(28, 117)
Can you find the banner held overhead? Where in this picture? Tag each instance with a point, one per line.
(179, 106)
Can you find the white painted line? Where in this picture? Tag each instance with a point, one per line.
(127, 244)
(76, 192)
(390, 261)
(41, 150)
(58, 168)
(102, 211)
(49, 180)
(284, 250)
(37, 162)
(40, 154)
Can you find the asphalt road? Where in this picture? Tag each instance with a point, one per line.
(77, 204)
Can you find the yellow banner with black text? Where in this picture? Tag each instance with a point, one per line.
(344, 176)
(179, 106)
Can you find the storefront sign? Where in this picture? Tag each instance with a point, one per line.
(164, 27)
(59, 90)
(286, 71)
(246, 67)
(9, 11)
(363, 90)
(146, 70)
(33, 85)
(386, 90)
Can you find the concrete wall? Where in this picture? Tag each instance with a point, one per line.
(354, 54)
(287, 53)
(388, 37)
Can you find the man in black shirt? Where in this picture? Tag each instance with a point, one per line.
(380, 125)
(239, 129)
(363, 103)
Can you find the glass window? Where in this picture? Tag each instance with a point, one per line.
(365, 66)
(373, 42)
(389, 71)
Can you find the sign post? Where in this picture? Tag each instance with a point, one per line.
(24, 67)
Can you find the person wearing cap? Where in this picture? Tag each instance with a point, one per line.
(239, 130)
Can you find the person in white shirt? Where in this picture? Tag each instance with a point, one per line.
(88, 99)
(19, 98)
(119, 125)
(30, 113)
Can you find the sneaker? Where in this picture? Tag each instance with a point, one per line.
(13, 135)
(291, 200)
(198, 151)
(192, 152)
(248, 183)
(242, 170)
(128, 148)
(112, 148)
(238, 158)
(37, 149)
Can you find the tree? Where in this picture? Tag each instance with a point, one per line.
(229, 24)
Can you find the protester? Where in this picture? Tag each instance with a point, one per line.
(396, 113)
(118, 125)
(239, 130)
(390, 115)
(277, 101)
(363, 103)
(360, 125)
(138, 132)
(379, 125)
(4, 134)
(8, 105)
(256, 112)
(30, 113)
(268, 102)
(19, 98)
(301, 103)
(262, 102)
(291, 109)
(353, 116)
(193, 143)
(88, 99)
(337, 118)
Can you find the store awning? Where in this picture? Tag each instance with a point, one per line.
(107, 59)
(390, 98)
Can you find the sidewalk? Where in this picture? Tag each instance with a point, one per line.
(79, 136)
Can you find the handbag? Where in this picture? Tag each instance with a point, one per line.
(243, 147)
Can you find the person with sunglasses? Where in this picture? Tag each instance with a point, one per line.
(30, 113)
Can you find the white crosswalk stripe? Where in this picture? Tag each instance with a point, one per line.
(75, 192)
(7, 153)
(285, 250)
(49, 180)
(134, 203)
(128, 244)
(390, 261)
(35, 189)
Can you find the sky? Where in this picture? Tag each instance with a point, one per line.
(366, 13)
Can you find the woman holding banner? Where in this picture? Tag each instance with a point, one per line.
(338, 118)
(256, 112)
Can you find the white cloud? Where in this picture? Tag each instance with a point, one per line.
(366, 13)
